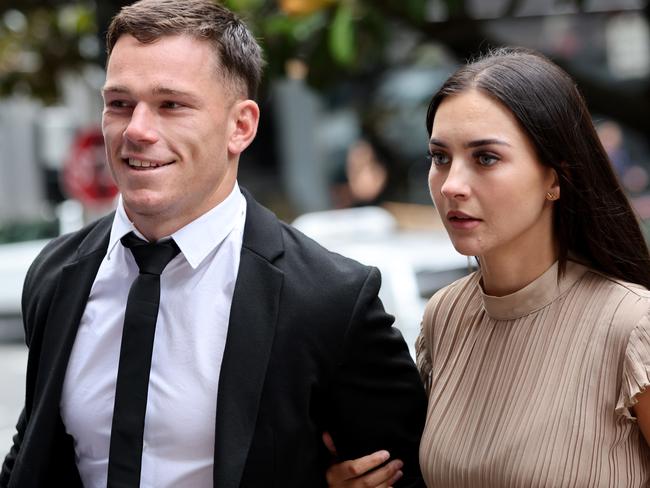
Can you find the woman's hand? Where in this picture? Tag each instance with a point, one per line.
(362, 472)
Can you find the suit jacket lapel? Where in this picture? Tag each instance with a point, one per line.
(253, 317)
(68, 304)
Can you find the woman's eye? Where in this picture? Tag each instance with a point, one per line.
(487, 159)
(438, 158)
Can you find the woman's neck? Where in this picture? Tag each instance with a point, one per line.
(506, 271)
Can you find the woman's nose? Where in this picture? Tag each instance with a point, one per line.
(457, 182)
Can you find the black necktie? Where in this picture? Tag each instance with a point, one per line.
(125, 456)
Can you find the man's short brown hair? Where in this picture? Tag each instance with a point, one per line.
(239, 54)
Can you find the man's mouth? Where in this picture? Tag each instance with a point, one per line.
(143, 163)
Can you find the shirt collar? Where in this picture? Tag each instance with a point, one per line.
(198, 238)
(121, 227)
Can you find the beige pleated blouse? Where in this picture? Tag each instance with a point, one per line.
(533, 389)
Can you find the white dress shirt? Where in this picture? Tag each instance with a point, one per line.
(196, 293)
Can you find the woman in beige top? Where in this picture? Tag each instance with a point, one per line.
(537, 364)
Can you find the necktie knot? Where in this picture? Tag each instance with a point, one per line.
(151, 257)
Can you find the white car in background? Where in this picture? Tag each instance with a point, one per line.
(414, 264)
(15, 259)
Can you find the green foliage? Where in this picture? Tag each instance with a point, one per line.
(341, 35)
(456, 8)
(339, 38)
(415, 10)
(334, 38)
(27, 231)
(244, 5)
(38, 44)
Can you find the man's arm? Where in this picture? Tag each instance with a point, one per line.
(10, 459)
(27, 314)
(378, 400)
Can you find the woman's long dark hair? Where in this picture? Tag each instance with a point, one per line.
(593, 219)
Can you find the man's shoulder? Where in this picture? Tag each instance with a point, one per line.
(312, 271)
(64, 249)
(271, 237)
(311, 254)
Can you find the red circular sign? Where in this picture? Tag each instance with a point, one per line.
(86, 176)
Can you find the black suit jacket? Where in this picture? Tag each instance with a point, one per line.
(309, 348)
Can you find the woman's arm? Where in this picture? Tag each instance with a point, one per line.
(642, 411)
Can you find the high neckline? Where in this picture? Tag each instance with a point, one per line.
(534, 296)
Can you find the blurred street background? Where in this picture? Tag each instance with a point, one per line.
(342, 142)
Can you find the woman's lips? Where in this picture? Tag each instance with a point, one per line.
(462, 221)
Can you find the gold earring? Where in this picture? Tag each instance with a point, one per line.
(551, 196)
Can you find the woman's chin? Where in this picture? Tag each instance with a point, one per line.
(466, 248)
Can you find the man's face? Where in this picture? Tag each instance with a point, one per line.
(173, 130)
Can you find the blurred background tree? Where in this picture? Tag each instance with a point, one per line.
(39, 40)
(334, 38)
(344, 71)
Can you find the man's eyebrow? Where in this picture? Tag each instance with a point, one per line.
(157, 91)
(115, 89)
(173, 92)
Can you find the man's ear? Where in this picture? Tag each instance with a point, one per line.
(245, 118)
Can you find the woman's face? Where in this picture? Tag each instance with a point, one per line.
(486, 181)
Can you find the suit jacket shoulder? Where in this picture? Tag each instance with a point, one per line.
(41, 278)
(312, 275)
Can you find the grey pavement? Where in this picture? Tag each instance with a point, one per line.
(13, 360)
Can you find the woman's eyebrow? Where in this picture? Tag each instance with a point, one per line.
(437, 142)
(486, 142)
(476, 143)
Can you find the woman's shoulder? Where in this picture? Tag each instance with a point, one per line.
(616, 287)
(620, 304)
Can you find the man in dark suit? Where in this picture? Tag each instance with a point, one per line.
(263, 339)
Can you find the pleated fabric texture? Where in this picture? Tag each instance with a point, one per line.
(533, 389)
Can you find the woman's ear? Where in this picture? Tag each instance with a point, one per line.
(553, 190)
(245, 118)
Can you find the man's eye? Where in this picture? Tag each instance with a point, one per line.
(438, 158)
(170, 104)
(117, 104)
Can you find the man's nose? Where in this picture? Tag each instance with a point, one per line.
(142, 125)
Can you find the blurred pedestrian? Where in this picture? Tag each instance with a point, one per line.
(364, 177)
(634, 177)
